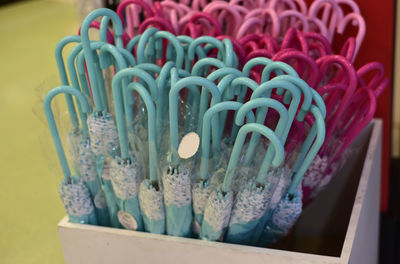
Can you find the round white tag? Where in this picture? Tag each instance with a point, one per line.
(127, 220)
(189, 145)
(100, 200)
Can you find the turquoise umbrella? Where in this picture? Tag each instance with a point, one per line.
(201, 190)
(296, 88)
(176, 180)
(288, 210)
(73, 192)
(102, 129)
(217, 213)
(150, 192)
(87, 164)
(254, 195)
(125, 171)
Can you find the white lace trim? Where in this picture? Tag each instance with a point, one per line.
(87, 164)
(287, 212)
(218, 210)
(103, 134)
(281, 186)
(200, 194)
(151, 201)
(125, 179)
(315, 172)
(177, 187)
(76, 199)
(105, 174)
(250, 204)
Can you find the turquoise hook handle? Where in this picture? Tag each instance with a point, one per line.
(72, 56)
(145, 39)
(266, 88)
(319, 103)
(282, 125)
(205, 138)
(152, 131)
(132, 43)
(179, 52)
(237, 86)
(305, 90)
(89, 56)
(53, 127)
(80, 65)
(279, 68)
(215, 43)
(237, 149)
(173, 105)
(230, 56)
(63, 75)
(186, 40)
(319, 140)
(204, 92)
(119, 103)
(253, 63)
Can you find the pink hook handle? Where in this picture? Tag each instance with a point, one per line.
(304, 62)
(377, 83)
(324, 64)
(292, 36)
(158, 22)
(365, 102)
(361, 29)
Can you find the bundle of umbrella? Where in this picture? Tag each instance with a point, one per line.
(142, 105)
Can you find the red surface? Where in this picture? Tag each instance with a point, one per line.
(378, 46)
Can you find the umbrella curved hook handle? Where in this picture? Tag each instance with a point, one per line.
(176, 87)
(124, 4)
(205, 138)
(230, 57)
(360, 22)
(235, 155)
(282, 127)
(146, 45)
(53, 127)
(117, 92)
(63, 75)
(293, 35)
(307, 61)
(378, 82)
(89, 56)
(259, 61)
(306, 91)
(152, 131)
(213, 43)
(174, 42)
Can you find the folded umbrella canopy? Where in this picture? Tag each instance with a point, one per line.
(176, 180)
(255, 193)
(73, 192)
(102, 130)
(289, 208)
(202, 189)
(150, 191)
(219, 206)
(125, 171)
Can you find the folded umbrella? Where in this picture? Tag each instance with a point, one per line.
(218, 209)
(203, 188)
(73, 192)
(150, 191)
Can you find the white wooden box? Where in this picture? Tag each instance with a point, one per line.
(341, 226)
